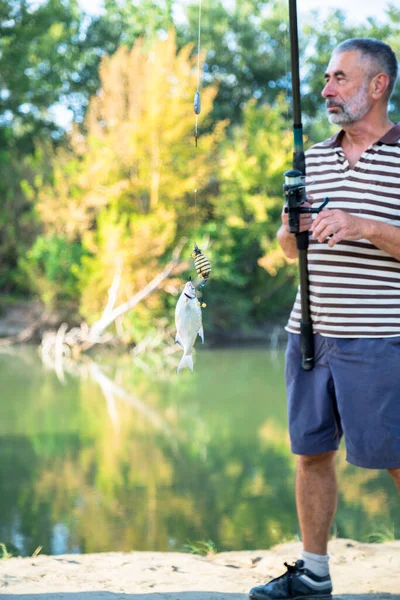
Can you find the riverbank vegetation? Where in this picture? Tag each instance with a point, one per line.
(98, 165)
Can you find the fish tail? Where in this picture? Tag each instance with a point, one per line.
(186, 361)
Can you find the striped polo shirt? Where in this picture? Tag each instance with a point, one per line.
(354, 286)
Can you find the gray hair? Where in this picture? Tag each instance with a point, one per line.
(380, 53)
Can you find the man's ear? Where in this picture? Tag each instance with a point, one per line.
(379, 85)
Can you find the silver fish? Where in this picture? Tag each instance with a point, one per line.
(188, 324)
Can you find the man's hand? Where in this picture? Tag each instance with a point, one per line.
(305, 219)
(287, 240)
(340, 225)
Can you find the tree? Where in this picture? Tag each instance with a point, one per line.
(249, 268)
(247, 52)
(124, 187)
(36, 63)
(34, 60)
(121, 23)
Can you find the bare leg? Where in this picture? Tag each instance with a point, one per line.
(395, 475)
(316, 499)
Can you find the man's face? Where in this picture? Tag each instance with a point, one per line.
(346, 92)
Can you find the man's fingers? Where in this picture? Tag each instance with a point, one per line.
(323, 230)
(332, 241)
(322, 216)
(325, 213)
(336, 237)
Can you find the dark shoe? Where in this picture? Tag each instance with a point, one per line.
(297, 583)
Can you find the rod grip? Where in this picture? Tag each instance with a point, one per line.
(302, 240)
(307, 345)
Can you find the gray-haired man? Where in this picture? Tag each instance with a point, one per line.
(354, 278)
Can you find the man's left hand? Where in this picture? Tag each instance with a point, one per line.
(338, 224)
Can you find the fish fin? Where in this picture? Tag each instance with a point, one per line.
(186, 361)
(201, 334)
(178, 340)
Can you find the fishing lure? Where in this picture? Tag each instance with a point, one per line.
(201, 264)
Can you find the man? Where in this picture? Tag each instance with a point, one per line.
(354, 277)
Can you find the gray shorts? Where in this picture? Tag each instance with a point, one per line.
(353, 390)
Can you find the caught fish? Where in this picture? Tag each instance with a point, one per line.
(188, 324)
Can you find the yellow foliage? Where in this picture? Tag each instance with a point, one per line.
(144, 115)
(134, 246)
(353, 492)
(139, 147)
(273, 260)
(128, 176)
(270, 435)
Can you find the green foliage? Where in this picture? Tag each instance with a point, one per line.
(245, 217)
(38, 54)
(18, 223)
(200, 548)
(4, 553)
(382, 534)
(53, 265)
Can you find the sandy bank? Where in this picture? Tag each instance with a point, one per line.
(360, 572)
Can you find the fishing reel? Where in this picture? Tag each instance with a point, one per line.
(202, 266)
(294, 190)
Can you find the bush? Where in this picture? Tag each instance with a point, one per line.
(52, 266)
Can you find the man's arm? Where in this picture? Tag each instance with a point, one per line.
(343, 226)
(385, 237)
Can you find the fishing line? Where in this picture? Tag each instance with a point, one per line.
(201, 263)
(197, 110)
(197, 102)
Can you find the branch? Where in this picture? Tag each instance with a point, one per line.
(109, 316)
(112, 292)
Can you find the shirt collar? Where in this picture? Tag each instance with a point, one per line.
(391, 137)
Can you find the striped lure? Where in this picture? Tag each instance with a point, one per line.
(201, 263)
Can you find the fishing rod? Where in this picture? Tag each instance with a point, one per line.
(295, 197)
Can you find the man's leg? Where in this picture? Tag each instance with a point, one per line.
(315, 433)
(316, 499)
(395, 475)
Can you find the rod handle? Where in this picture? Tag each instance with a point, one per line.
(307, 345)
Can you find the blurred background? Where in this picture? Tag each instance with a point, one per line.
(108, 449)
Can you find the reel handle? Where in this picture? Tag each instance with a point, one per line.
(306, 209)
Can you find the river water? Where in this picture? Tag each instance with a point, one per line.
(120, 456)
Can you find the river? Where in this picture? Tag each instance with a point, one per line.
(120, 455)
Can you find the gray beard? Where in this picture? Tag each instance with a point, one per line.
(352, 111)
(343, 118)
(340, 118)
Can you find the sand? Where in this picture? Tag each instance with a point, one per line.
(359, 572)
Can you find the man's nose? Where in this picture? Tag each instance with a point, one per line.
(329, 90)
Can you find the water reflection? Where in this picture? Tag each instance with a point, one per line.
(119, 459)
